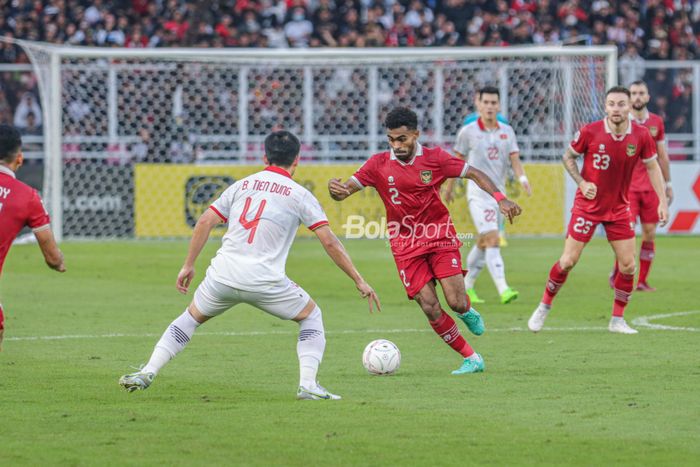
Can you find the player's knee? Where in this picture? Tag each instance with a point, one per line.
(567, 262)
(627, 265)
(458, 304)
(431, 308)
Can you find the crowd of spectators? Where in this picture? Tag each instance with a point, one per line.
(643, 31)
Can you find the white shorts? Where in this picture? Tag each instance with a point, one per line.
(484, 212)
(284, 299)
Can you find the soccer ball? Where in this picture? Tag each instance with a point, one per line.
(381, 357)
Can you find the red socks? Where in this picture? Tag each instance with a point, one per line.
(2, 319)
(446, 328)
(623, 289)
(646, 256)
(557, 277)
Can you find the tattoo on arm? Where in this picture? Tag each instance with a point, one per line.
(569, 160)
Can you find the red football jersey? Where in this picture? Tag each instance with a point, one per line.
(608, 161)
(20, 205)
(640, 176)
(418, 222)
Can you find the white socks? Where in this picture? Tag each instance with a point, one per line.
(475, 263)
(494, 262)
(310, 347)
(174, 339)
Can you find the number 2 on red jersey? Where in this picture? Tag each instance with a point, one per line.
(252, 224)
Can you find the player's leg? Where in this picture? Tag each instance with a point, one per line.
(476, 260)
(210, 299)
(497, 268)
(288, 301)
(636, 200)
(650, 217)
(624, 283)
(445, 327)
(573, 247)
(443, 266)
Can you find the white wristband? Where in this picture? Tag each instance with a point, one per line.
(523, 179)
(668, 184)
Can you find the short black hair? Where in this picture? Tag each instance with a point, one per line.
(639, 82)
(10, 143)
(401, 116)
(489, 90)
(620, 89)
(281, 148)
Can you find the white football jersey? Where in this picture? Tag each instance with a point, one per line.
(488, 151)
(263, 211)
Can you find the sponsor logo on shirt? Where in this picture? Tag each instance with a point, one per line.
(601, 147)
(504, 136)
(631, 150)
(391, 180)
(426, 176)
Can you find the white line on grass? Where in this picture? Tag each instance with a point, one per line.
(645, 321)
(348, 331)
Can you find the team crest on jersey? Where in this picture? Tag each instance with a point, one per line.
(426, 176)
(654, 131)
(504, 136)
(631, 150)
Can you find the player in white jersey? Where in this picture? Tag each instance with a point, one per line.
(263, 212)
(490, 146)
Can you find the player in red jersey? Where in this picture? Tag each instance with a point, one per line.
(611, 149)
(20, 205)
(643, 199)
(422, 237)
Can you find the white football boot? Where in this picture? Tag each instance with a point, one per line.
(536, 321)
(620, 326)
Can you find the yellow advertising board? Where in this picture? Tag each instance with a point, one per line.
(169, 198)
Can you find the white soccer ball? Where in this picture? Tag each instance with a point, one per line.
(381, 357)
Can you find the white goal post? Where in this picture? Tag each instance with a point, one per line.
(109, 109)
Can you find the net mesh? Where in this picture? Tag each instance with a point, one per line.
(118, 113)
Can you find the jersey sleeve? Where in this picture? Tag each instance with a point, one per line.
(513, 141)
(37, 217)
(452, 167)
(580, 142)
(366, 175)
(222, 205)
(661, 132)
(648, 152)
(462, 142)
(311, 213)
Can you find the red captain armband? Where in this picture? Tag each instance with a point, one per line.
(498, 196)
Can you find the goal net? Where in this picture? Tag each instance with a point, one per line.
(124, 126)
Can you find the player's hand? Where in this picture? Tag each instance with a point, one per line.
(663, 214)
(337, 189)
(510, 209)
(588, 189)
(526, 186)
(669, 195)
(61, 267)
(368, 292)
(184, 279)
(448, 195)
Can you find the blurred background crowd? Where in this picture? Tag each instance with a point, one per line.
(643, 30)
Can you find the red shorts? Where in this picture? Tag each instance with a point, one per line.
(417, 271)
(645, 205)
(582, 229)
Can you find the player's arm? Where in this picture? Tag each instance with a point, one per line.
(200, 235)
(339, 190)
(52, 254)
(450, 185)
(588, 189)
(520, 172)
(657, 181)
(509, 208)
(665, 165)
(340, 257)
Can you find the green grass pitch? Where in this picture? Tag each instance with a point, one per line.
(573, 395)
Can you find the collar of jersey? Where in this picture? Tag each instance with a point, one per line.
(482, 127)
(8, 171)
(642, 121)
(278, 170)
(419, 152)
(608, 130)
